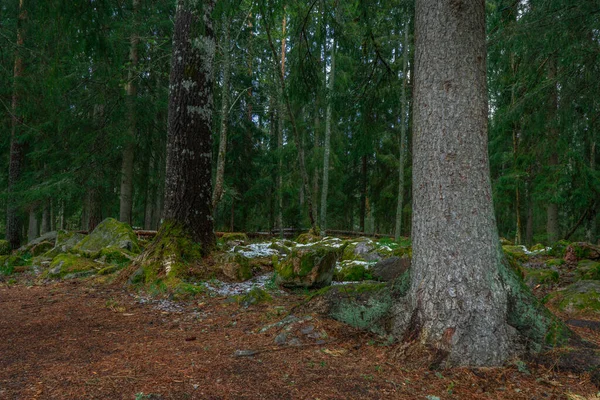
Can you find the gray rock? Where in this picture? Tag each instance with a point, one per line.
(244, 353)
(389, 269)
(46, 237)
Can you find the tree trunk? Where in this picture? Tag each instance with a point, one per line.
(327, 142)
(458, 300)
(529, 223)
(32, 232)
(150, 194)
(220, 176)
(17, 146)
(188, 188)
(363, 192)
(552, 208)
(46, 218)
(280, 134)
(126, 201)
(403, 125)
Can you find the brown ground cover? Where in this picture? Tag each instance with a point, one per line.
(81, 340)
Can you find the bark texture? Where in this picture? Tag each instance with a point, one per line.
(17, 147)
(327, 141)
(552, 208)
(458, 299)
(126, 200)
(188, 186)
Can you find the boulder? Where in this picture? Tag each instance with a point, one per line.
(70, 266)
(234, 266)
(46, 237)
(389, 269)
(109, 233)
(65, 241)
(582, 296)
(588, 269)
(309, 267)
(516, 252)
(41, 248)
(536, 276)
(364, 250)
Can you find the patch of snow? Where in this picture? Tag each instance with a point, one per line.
(256, 250)
(237, 288)
(535, 252)
(348, 263)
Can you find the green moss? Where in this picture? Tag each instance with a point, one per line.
(555, 262)
(168, 259)
(308, 266)
(186, 291)
(109, 233)
(306, 238)
(364, 306)
(11, 264)
(402, 251)
(535, 277)
(235, 266)
(4, 248)
(588, 269)
(41, 248)
(254, 296)
(517, 252)
(538, 247)
(526, 314)
(558, 249)
(115, 255)
(234, 236)
(111, 269)
(352, 272)
(580, 296)
(66, 264)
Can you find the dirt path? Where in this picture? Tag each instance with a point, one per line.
(79, 341)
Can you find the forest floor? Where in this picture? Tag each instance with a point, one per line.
(82, 340)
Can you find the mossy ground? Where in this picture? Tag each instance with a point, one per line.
(67, 264)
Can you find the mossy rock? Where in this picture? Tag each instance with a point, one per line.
(506, 242)
(4, 248)
(171, 257)
(582, 296)
(534, 277)
(255, 296)
(306, 238)
(517, 252)
(13, 261)
(234, 266)
(234, 237)
(538, 247)
(555, 262)
(109, 233)
(308, 267)
(585, 250)
(559, 248)
(69, 266)
(363, 305)
(588, 270)
(41, 248)
(115, 255)
(65, 241)
(46, 237)
(352, 271)
(281, 248)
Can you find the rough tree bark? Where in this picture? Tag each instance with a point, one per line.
(463, 300)
(552, 208)
(280, 133)
(404, 124)
(126, 200)
(17, 147)
(327, 141)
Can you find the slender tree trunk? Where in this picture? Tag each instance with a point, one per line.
(150, 193)
(126, 201)
(363, 192)
(220, 176)
(46, 218)
(459, 304)
(591, 229)
(280, 121)
(188, 186)
(327, 141)
(61, 215)
(529, 222)
(552, 207)
(297, 138)
(17, 145)
(32, 232)
(403, 125)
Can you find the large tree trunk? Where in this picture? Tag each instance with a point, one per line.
(17, 146)
(280, 121)
(188, 188)
(403, 125)
(327, 141)
(126, 201)
(220, 176)
(458, 300)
